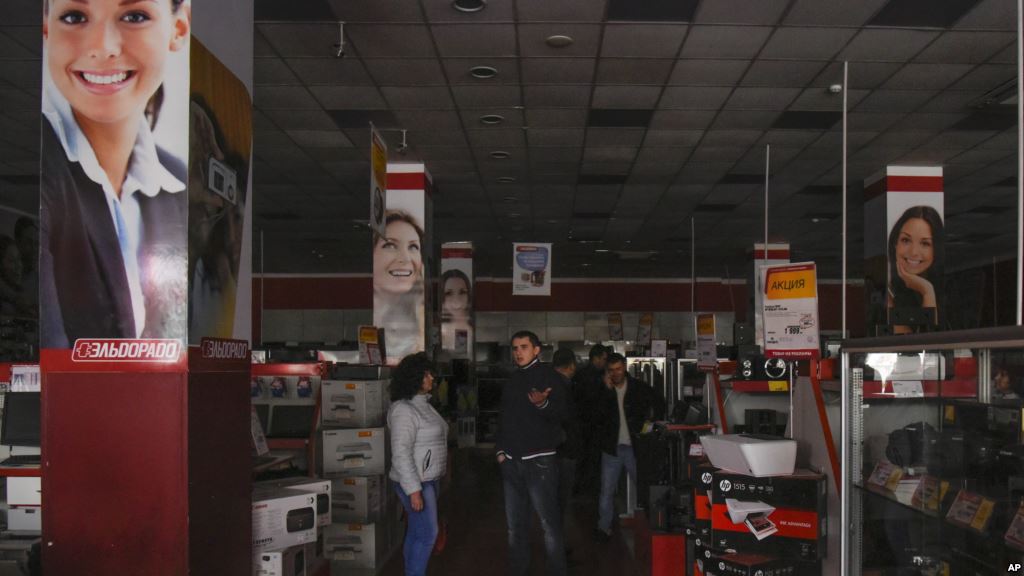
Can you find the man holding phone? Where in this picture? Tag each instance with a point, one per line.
(533, 406)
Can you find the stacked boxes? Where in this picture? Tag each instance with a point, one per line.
(284, 526)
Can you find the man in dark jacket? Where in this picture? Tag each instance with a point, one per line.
(533, 408)
(625, 406)
(588, 388)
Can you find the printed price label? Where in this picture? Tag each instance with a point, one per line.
(353, 463)
(778, 386)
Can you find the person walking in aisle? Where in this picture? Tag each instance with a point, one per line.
(588, 388)
(624, 407)
(564, 363)
(419, 455)
(533, 407)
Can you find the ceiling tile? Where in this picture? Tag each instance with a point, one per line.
(731, 138)
(697, 98)
(642, 40)
(894, 100)
(291, 97)
(624, 154)
(928, 121)
(832, 12)
(674, 156)
(986, 77)
(348, 97)
(858, 120)
(953, 101)
(990, 14)
(347, 71)
(740, 12)
(556, 136)
(434, 138)
(680, 120)
(569, 11)
(748, 98)
(471, 118)
(789, 138)
(475, 40)
(626, 97)
(585, 40)
(707, 72)
(556, 117)
(497, 138)
(781, 73)
(807, 43)
(374, 10)
(926, 76)
(745, 119)
(428, 119)
(822, 99)
(445, 12)
(319, 138)
(390, 40)
(436, 97)
(678, 138)
(633, 71)
(303, 40)
(614, 136)
(965, 47)
(557, 70)
(288, 119)
(272, 71)
(887, 45)
(556, 96)
(724, 41)
(485, 96)
(15, 42)
(458, 70)
(862, 75)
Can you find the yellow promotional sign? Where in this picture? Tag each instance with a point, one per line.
(790, 311)
(707, 352)
(789, 284)
(705, 324)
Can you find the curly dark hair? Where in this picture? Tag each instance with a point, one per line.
(407, 379)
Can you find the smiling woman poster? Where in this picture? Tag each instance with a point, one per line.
(113, 214)
(915, 250)
(398, 277)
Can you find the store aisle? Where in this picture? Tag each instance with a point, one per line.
(474, 509)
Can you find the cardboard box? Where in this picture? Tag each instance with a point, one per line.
(702, 556)
(352, 403)
(281, 518)
(24, 491)
(290, 562)
(354, 452)
(25, 519)
(355, 545)
(357, 499)
(320, 487)
(758, 565)
(704, 477)
(787, 518)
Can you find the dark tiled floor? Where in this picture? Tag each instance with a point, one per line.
(474, 509)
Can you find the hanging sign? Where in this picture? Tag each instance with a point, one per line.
(643, 332)
(615, 326)
(378, 181)
(790, 311)
(531, 269)
(707, 352)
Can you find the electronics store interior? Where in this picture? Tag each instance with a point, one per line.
(453, 287)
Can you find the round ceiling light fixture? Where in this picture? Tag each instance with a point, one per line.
(492, 119)
(483, 72)
(500, 155)
(469, 5)
(506, 179)
(559, 41)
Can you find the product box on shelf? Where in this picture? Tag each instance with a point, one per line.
(24, 491)
(355, 545)
(353, 403)
(703, 554)
(354, 452)
(702, 491)
(25, 519)
(322, 489)
(281, 518)
(357, 499)
(292, 561)
(783, 516)
(759, 565)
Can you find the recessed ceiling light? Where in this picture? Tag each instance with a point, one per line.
(483, 72)
(506, 179)
(602, 250)
(492, 119)
(469, 5)
(500, 155)
(559, 41)
(585, 264)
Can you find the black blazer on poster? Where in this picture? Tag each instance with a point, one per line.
(83, 288)
(640, 403)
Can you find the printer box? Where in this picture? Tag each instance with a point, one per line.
(352, 403)
(24, 491)
(355, 545)
(322, 489)
(292, 561)
(357, 499)
(281, 518)
(702, 490)
(354, 452)
(782, 516)
(25, 519)
(703, 555)
(758, 565)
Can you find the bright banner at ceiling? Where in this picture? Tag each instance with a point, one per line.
(531, 269)
(378, 180)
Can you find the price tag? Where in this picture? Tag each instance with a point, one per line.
(345, 555)
(778, 386)
(353, 462)
(696, 450)
(908, 388)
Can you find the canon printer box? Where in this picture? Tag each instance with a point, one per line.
(352, 403)
(357, 499)
(281, 518)
(355, 452)
(759, 565)
(783, 516)
(702, 489)
(290, 562)
(322, 489)
(355, 545)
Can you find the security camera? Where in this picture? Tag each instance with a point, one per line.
(339, 50)
(402, 148)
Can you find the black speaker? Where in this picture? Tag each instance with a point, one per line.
(757, 367)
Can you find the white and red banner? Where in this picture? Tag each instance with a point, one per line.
(531, 269)
(791, 326)
(707, 351)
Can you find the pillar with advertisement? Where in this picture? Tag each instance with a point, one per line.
(145, 289)
(775, 253)
(402, 262)
(455, 293)
(904, 249)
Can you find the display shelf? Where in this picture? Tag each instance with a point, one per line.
(891, 496)
(757, 386)
(957, 388)
(21, 472)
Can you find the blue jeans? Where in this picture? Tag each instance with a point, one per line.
(533, 481)
(611, 468)
(422, 531)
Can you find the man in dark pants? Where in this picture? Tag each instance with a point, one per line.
(533, 407)
(564, 362)
(625, 405)
(587, 390)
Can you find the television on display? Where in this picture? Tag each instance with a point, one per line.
(21, 419)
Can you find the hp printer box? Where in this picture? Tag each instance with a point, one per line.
(322, 489)
(290, 562)
(703, 556)
(352, 403)
(281, 518)
(702, 491)
(355, 545)
(357, 499)
(782, 516)
(355, 452)
(757, 565)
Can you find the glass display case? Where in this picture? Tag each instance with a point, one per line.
(933, 458)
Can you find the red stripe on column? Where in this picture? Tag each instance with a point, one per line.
(772, 255)
(456, 253)
(914, 184)
(406, 181)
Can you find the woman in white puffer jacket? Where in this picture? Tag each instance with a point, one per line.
(419, 455)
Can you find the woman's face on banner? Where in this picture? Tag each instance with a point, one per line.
(107, 57)
(397, 262)
(914, 249)
(456, 296)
